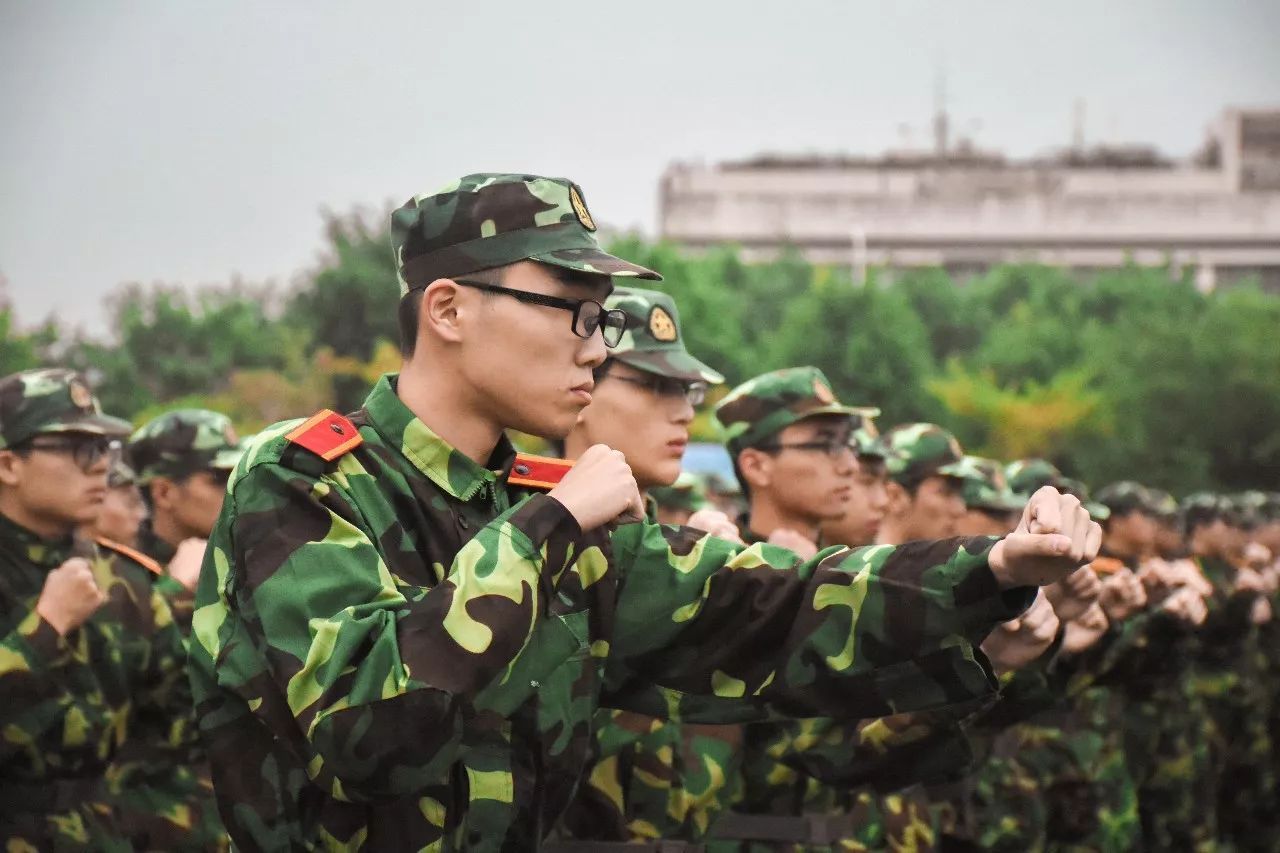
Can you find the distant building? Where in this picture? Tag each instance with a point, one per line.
(965, 209)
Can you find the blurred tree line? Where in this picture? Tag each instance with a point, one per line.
(1129, 373)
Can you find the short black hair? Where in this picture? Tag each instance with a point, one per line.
(410, 310)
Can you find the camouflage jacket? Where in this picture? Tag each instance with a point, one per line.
(68, 704)
(181, 600)
(398, 649)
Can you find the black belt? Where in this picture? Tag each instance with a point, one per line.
(657, 846)
(805, 829)
(48, 797)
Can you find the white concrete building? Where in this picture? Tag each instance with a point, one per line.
(966, 210)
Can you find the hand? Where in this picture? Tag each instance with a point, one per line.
(1247, 580)
(185, 565)
(716, 523)
(600, 488)
(1261, 612)
(1083, 632)
(1018, 642)
(1257, 556)
(791, 540)
(1053, 539)
(1074, 594)
(1122, 595)
(70, 596)
(1166, 576)
(1187, 605)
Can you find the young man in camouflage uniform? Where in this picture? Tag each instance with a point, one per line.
(403, 631)
(653, 779)
(183, 459)
(869, 497)
(123, 509)
(796, 450)
(92, 660)
(991, 507)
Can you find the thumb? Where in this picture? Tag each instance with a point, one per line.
(1013, 626)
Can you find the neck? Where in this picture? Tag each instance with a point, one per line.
(166, 529)
(892, 531)
(575, 444)
(448, 411)
(766, 516)
(41, 526)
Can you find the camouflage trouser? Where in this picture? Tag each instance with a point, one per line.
(1168, 757)
(90, 827)
(171, 811)
(1240, 746)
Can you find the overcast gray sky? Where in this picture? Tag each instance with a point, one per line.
(185, 141)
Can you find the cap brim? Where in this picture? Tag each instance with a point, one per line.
(596, 262)
(225, 460)
(93, 424)
(673, 363)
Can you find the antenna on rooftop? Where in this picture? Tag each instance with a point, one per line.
(941, 122)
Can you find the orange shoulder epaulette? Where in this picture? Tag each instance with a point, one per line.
(327, 434)
(132, 553)
(1107, 566)
(538, 472)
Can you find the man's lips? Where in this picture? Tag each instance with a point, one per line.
(582, 392)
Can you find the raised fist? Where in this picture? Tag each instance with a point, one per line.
(599, 489)
(70, 596)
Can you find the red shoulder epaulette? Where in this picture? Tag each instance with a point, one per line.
(133, 554)
(538, 472)
(1107, 566)
(327, 434)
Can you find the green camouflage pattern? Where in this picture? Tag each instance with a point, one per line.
(120, 475)
(763, 406)
(1026, 476)
(1125, 497)
(653, 340)
(655, 779)
(51, 400)
(182, 442)
(1229, 675)
(1161, 504)
(489, 220)
(72, 704)
(985, 487)
(921, 450)
(866, 437)
(686, 493)
(398, 650)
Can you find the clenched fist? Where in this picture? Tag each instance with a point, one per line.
(185, 565)
(1053, 539)
(1018, 642)
(599, 489)
(1074, 594)
(1083, 632)
(70, 596)
(716, 523)
(1122, 595)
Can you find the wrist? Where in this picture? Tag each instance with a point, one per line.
(55, 621)
(999, 567)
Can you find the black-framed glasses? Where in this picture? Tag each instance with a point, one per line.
(85, 450)
(694, 392)
(832, 447)
(588, 315)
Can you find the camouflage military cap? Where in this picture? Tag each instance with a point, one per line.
(761, 407)
(919, 451)
(866, 438)
(985, 487)
(653, 341)
(52, 399)
(1248, 508)
(686, 493)
(489, 220)
(1204, 508)
(1026, 476)
(120, 475)
(1125, 497)
(1161, 504)
(182, 442)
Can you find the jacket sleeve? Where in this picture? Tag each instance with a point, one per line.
(864, 633)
